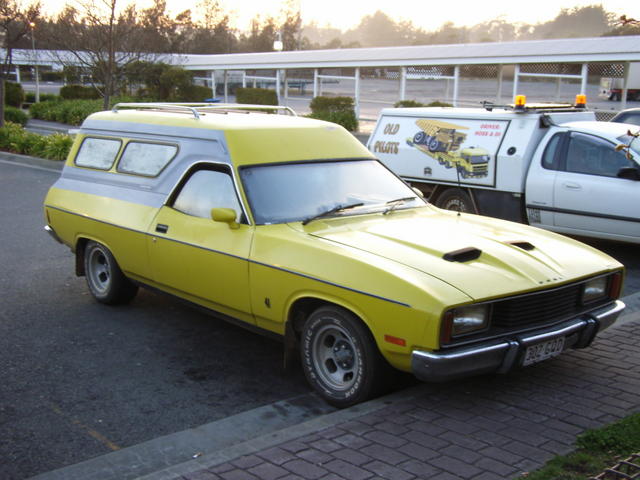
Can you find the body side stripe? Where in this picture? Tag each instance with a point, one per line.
(584, 214)
(303, 275)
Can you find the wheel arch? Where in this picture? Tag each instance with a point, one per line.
(79, 249)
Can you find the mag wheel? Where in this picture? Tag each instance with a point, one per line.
(340, 358)
(105, 280)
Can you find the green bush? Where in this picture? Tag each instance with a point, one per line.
(408, 104)
(14, 94)
(256, 96)
(439, 104)
(193, 93)
(14, 138)
(78, 92)
(15, 115)
(71, 112)
(338, 110)
(30, 97)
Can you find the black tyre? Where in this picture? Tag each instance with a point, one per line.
(456, 200)
(106, 281)
(434, 145)
(340, 358)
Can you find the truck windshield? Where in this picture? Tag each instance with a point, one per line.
(299, 191)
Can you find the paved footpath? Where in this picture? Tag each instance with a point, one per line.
(491, 427)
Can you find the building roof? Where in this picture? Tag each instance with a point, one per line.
(575, 50)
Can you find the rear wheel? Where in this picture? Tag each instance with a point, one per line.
(340, 358)
(457, 200)
(105, 280)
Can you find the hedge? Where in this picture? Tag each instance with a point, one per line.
(408, 104)
(71, 112)
(14, 138)
(338, 110)
(256, 96)
(13, 94)
(30, 97)
(79, 92)
(15, 115)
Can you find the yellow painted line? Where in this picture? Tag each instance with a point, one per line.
(90, 431)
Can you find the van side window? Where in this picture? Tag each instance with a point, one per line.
(146, 158)
(594, 156)
(550, 157)
(207, 189)
(98, 153)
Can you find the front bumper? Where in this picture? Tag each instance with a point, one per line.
(505, 355)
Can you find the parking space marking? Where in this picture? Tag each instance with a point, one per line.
(90, 431)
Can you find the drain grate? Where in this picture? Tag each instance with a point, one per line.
(628, 469)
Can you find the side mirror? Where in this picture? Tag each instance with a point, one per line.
(225, 215)
(629, 173)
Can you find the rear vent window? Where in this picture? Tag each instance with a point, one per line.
(98, 153)
(147, 159)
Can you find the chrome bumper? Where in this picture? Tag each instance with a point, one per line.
(505, 355)
(53, 233)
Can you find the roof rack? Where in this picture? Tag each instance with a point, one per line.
(196, 109)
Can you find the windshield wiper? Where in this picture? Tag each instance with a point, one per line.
(393, 204)
(337, 208)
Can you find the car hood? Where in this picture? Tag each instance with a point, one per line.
(507, 264)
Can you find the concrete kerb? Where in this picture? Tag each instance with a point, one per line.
(36, 162)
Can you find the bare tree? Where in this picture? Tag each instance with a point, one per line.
(103, 41)
(15, 22)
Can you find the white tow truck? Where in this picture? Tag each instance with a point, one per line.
(550, 165)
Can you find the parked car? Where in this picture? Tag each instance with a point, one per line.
(291, 227)
(630, 115)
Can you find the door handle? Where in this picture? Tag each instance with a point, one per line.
(162, 228)
(572, 186)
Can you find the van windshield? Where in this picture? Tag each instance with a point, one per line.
(299, 191)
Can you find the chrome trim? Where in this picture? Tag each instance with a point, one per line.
(53, 233)
(608, 315)
(504, 356)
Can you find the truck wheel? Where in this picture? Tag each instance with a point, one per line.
(418, 138)
(456, 200)
(434, 144)
(340, 358)
(105, 280)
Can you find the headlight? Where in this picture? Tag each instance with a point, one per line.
(464, 320)
(595, 289)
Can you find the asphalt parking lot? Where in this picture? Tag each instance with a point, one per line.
(78, 379)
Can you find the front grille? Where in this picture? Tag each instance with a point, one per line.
(538, 308)
(526, 312)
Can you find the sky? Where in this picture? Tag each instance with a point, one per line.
(427, 14)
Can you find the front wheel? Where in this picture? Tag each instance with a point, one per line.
(105, 280)
(340, 358)
(455, 199)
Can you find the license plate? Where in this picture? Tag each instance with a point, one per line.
(542, 351)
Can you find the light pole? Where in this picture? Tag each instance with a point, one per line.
(35, 56)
